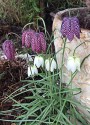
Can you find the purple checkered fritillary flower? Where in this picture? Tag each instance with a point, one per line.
(8, 49)
(70, 27)
(38, 43)
(27, 38)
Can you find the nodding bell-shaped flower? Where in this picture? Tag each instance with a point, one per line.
(35, 40)
(27, 36)
(70, 27)
(73, 64)
(38, 42)
(50, 64)
(38, 61)
(8, 49)
(32, 70)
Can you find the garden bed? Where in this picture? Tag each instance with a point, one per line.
(43, 98)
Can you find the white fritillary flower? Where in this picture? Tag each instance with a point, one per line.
(73, 63)
(50, 64)
(32, 71)
(39, 61)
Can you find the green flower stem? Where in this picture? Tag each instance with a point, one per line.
(84, 60)
(71, 93)
(50, 79)
(72, 77)
(61, 70)
(12, 33)
(78, 47)
(62, 60)
(39, 18)
(28, 24)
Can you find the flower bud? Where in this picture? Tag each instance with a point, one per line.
(8, 49)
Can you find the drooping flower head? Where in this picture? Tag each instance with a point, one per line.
(35, 40)
(8, 49)
(32, 71)
(50, 64)
(70, 28)
(73, 64)
(38, 42)
(38, 61)
(27, 38)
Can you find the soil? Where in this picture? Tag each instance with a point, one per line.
(11, 73)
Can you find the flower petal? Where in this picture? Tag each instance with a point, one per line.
(50, 64)
(27, 37)
(43, 41)
(64, 26)
(71, 66)
(70, 29)
(38, 42)
(34, 70)
(76, 27)
(53, 65)
(47, 64)
(77, 62)
(41, 61)
(37, 61)
(29, 71)
(9, 49)
(33, 43)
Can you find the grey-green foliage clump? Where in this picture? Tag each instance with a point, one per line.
(24, 11)
(48, 104)
(21, 11)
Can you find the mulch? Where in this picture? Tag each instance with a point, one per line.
(11, 74)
